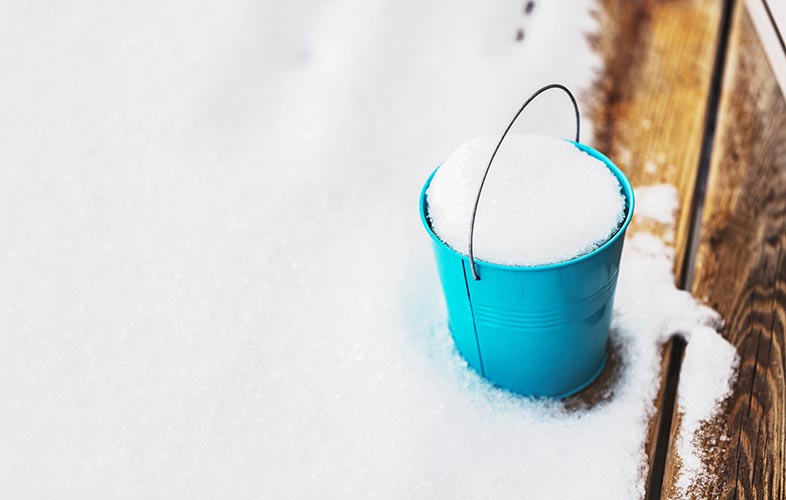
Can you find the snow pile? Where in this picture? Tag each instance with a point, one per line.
(544, 200)
(708, 372)
(214, 280)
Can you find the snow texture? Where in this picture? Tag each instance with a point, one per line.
(708, 371)
(544, 200)
(659, 202)
(214, 281)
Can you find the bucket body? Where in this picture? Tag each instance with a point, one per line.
(536, 330)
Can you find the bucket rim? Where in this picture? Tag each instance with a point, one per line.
(627, 189)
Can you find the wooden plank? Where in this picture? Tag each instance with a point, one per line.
(650, 118)
(741, 272)
(649, 115)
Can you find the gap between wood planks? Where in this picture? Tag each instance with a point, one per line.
(677, 344)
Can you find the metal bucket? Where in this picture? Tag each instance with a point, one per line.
(536, 330)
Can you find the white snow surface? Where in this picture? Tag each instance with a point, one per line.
(659, 202)
(706, 378)
(543, 201)
(214, 280)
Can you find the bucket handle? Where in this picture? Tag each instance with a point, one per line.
(480, 189)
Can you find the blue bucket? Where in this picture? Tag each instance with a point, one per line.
(536, 330)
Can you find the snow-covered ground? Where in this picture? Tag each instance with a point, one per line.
(213, 279)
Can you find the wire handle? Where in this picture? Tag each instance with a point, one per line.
(505, 133)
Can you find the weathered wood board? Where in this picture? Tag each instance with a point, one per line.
(741, 272)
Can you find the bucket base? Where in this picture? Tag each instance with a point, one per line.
(564, 395)
(587, 383)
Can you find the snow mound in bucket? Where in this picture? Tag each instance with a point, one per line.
(544, 200)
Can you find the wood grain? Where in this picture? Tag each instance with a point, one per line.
(741, 272)
(649, 113)
(653, 94)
